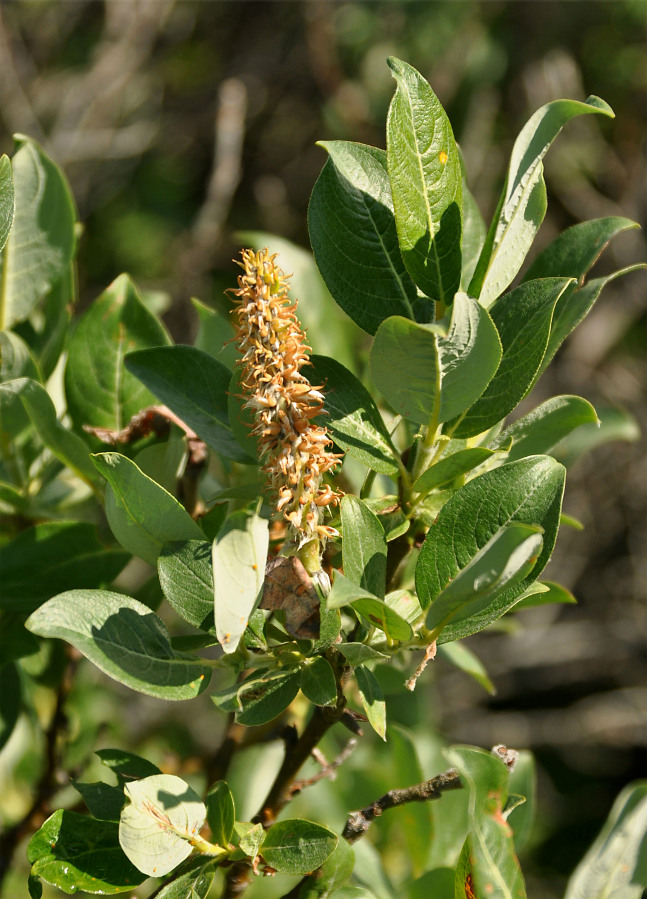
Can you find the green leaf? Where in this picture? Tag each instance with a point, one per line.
(194, 385)
(494, 866)
(523, 202)
(215, 334)
(354, 238)
(425, 172)
(523, 781)
(505, 561)
(334, 873)
(15, 641)
(357, 653)
(296, 846)
(465, 660)
(156, 828)
(474, 232)
(239, 555)
(551, 593)
(48, 558)
(186, 577)
(6, 200)
(99, 390)
(447, 470)
(328, 332)
(413, 818)
(221, 813)
(126, 766)
(16, 361)
(352, 417)
(102, 800)
(577, 249)
(615, 865)
(405, 367)
(547, 424)
(66, 446)
(47, 329)
(41, 243)
(614, 424)
(193, 884)
(124, 639)
(523, 319)
(318, 682)
(363, 546)
(406, 605)
(141, 514)
(268, 698)
(372, 698)
(74, 852)
(573, 306)
(527, 492)
(10, 700)
(344, 592)
(469, 356)
(251, 837)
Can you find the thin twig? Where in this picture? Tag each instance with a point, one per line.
(359, 822)
(328, 770)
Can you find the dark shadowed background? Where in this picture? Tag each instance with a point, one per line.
(180, 124)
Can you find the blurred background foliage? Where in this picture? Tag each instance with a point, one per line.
(180, 124)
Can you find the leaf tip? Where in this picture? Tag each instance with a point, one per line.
(600, 105)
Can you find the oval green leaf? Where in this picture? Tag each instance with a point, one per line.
(239, 555)
(195, 386)
(157, 826)
(352, 417)
(99, 390)
(141, 514)
(426, 180)
(296, 846)
(75, 852)
(405, 367)
(354, 237)
(41, 242)
(124, 639)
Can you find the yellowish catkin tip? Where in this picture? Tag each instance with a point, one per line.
(273, 351)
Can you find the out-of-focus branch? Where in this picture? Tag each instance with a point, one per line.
(50, 780)
(226, 169)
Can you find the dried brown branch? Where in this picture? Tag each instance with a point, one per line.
(359, 822)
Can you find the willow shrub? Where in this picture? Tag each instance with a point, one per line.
(315, 526)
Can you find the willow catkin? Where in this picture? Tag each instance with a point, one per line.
(294, 451)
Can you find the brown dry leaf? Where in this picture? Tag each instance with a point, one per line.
(288, 587)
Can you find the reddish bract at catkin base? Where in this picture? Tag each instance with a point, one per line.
(293, 449)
